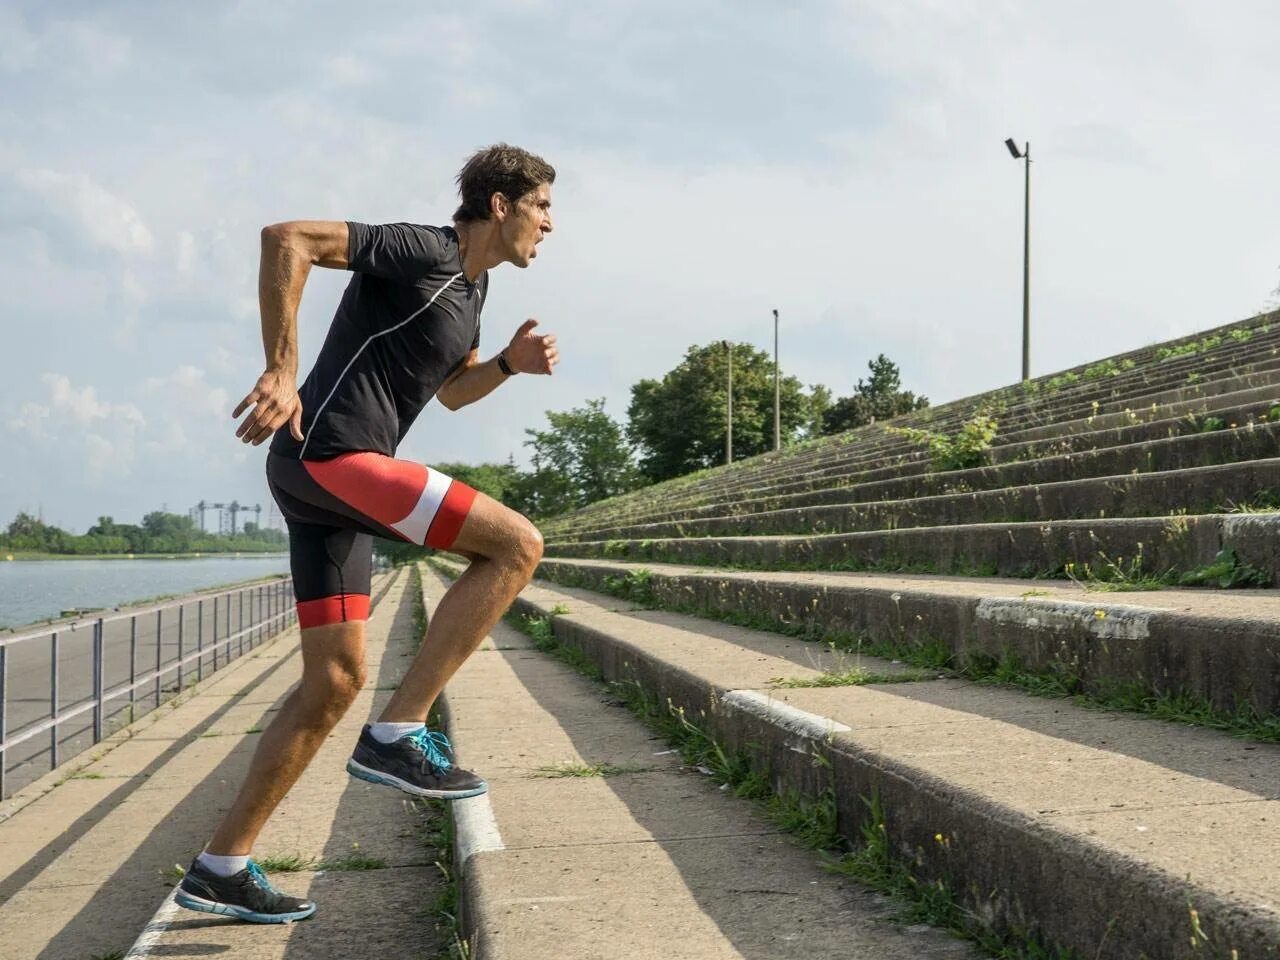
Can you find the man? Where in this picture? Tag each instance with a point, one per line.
(407, 329)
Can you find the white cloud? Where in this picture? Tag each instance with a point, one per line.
(844, 166)
(90, 209)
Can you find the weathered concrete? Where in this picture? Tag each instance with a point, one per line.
(1086, 549)
(652, 863)
(1220, 646)
(1132, 494)
(1097, 830)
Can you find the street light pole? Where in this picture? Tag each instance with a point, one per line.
(1025, 155)
(728, 432)
(777, 389)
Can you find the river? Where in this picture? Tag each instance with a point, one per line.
(32, 590)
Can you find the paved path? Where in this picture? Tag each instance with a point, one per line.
(85, 865)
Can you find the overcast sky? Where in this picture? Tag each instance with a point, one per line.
(842, 162)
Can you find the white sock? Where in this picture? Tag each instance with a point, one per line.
(222, 866)
(391, 732)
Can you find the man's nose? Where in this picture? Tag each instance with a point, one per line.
(547, 226)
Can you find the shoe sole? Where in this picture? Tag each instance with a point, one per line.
(191, 902)
(361, 772)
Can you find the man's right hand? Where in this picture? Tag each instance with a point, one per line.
(275, 401)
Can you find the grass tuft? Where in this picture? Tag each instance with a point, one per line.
(558, 771)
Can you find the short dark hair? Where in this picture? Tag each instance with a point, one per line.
(502, 169)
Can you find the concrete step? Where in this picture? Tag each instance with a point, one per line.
(1196, 490)
(85, 863)
(1110, 834)
(1111, 548)
(651, 861)
(796, 475)
(1219, 647)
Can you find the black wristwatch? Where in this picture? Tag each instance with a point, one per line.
(503, 365)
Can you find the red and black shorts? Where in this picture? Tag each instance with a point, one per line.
(334, 509)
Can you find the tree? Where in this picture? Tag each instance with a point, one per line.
(679, 422)
(583, 458)
(879, 398)
(497, 480)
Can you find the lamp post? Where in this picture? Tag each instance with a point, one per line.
(1025, 155)
(728, 432)
(777, 389)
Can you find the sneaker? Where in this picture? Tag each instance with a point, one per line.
(417, 763)
(247, 895)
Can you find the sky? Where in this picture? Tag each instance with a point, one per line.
(842, 162)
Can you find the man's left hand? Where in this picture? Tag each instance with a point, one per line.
(530, 352)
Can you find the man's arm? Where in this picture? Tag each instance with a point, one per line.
(289, 250)
(528, 352)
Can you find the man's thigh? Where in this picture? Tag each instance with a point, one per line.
(491, 530)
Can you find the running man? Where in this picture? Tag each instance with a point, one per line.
(407, 329)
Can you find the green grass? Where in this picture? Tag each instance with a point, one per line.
(853, 677)
(295, 863)
(436, 834)
(562, 770)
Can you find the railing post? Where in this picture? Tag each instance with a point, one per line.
(200, 639)
(215, 634)
(99, 669)
(4, 704)
(53, 699)
(133, 662)
(226, 632)
(240, 632)
(159, 650)
(181, 634)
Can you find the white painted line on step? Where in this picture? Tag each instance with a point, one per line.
(797, 721)
(475, 828)
(154, 930)
(1104, 621)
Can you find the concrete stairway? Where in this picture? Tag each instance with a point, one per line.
(1049, 823)
(1188, 484)
(1133, 490)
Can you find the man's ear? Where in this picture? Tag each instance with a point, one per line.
(498, 206)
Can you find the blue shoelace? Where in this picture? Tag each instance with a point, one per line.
(259, 877)
(435, 746)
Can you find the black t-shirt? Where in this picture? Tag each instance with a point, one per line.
(407, 319)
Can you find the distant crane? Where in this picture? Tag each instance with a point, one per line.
(228, 514)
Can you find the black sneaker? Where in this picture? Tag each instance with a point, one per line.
(247, 895)
(417, 763)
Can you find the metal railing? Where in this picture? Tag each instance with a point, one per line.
(83, 659)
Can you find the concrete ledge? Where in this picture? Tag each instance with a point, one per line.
(1137, 494)
(1222, 647)
(965, 797)
(1149, 546)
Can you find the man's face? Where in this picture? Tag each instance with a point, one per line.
(526, 223)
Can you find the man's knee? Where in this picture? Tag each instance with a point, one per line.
(330, 689)
(524, 545)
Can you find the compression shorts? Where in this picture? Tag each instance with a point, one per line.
(334, 508)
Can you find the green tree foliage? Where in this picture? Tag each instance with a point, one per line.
(582, 458)
(159, 532)
(679, 422)
(879, 397)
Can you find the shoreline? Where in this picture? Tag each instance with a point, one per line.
(21, 556)
(40, 625)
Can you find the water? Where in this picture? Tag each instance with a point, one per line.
(33, 590)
